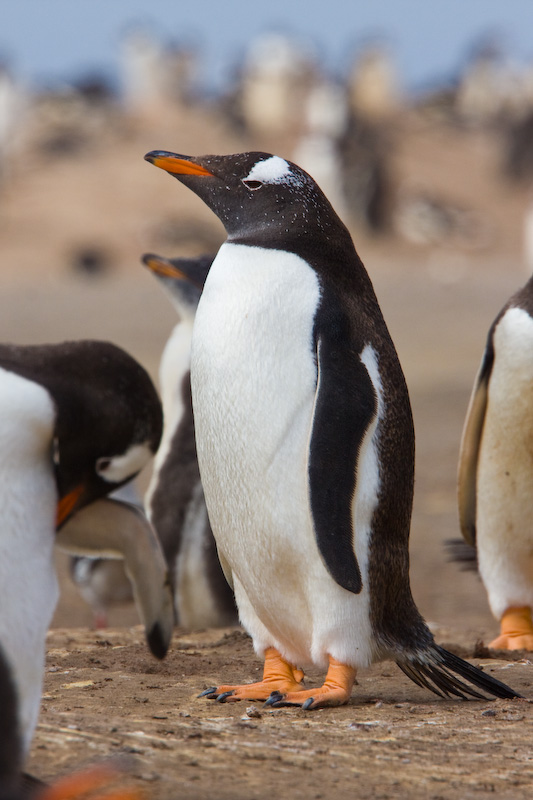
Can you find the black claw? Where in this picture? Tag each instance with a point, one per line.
(308, 703)
(273, 698)
(208, 692)
(222, 697)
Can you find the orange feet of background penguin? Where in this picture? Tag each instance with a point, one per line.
(282, 686)
(516, 630)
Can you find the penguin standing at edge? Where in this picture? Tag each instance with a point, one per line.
(77, 420)
(175, 501)
(305, 441)
(495, 473)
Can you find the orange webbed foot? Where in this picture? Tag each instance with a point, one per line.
(278, 676)
(335, 691)
(516, 630)
(98, 783)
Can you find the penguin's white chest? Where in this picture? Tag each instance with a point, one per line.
(28, 499)
(505, 468)
(254, 380)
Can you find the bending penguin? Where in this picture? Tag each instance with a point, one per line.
(175, 501)
(305, 441)
(496, 471)
(77, 420)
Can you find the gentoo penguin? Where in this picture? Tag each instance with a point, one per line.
(305, 441)
(77, 420)
(496, 471)
(102, 582)
(175, 501)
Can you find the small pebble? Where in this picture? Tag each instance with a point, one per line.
(253, 712)
(489, 712)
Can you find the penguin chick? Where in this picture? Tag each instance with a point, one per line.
(175, 500)
(77, 420)
(102, 582)
(496, 471)
(305, 441)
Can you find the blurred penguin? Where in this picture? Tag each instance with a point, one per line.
(175, 500)
(496, 471)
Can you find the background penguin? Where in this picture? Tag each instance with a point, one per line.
(175, 500)
(496, 471)
(102, 582)
(77, 420)
(305, 440)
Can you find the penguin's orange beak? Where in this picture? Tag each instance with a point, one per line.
(162, 266)
(175, 164)
(68, 504)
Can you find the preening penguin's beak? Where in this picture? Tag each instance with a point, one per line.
(176, 164)
(68, 504)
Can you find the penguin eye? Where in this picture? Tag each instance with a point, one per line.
(102, 464)
(253, 185)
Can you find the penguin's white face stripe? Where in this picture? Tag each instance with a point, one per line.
(272, 170)
(117, 468)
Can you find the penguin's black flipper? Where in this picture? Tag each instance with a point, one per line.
(436, 673)
(345, 407)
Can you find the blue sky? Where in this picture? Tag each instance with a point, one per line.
(52, 40)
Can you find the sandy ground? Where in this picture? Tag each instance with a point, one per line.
(105, 696)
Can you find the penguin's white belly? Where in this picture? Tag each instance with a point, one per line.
(28, 499)
(254, 380)
(505, 468)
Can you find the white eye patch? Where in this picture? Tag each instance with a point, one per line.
(117, 468)
(271, 170)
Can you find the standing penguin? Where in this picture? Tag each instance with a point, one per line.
(496, 471)
(77, 420)
(175, 500)
(305, 440)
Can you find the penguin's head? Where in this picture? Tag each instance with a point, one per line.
(107, 417)
(259, 197)
(182, 278)
(108, 424)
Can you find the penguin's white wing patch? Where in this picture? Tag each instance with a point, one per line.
(271, 170)
(117, 468)
(469, 454)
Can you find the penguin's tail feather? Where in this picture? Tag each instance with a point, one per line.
(462, 553)
(438, 670)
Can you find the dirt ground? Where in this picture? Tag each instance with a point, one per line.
(105, 696)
